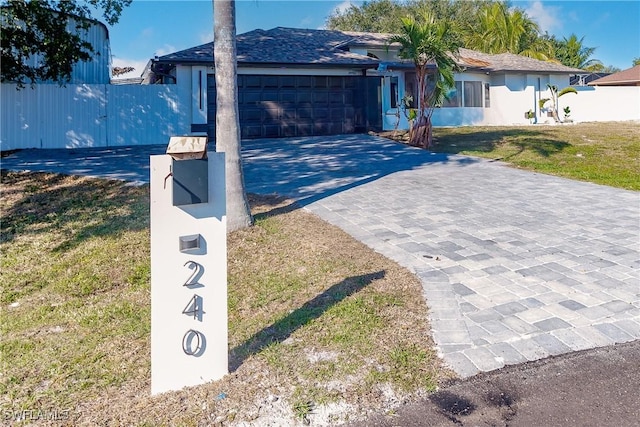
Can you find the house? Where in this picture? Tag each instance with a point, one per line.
(628, 77)
(295, 82)
(95, 71)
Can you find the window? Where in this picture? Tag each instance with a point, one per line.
(487, 96)
(473, 94)
(394, 92)
(410, 88)
(454, 96)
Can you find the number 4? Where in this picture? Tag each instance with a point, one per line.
(194, 307)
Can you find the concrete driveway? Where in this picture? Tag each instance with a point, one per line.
(515, 265)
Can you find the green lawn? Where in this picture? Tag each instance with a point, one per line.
(603, 153)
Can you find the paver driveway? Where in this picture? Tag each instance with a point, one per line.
(515, 265)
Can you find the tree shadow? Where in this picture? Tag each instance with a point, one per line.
(73, 208)
(539, 141)
(264, 206)
(312, 168)
(312, 309)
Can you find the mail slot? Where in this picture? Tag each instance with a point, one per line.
(189, 168)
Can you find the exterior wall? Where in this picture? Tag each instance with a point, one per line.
(511, 96)
(75, 116)
(98, 69)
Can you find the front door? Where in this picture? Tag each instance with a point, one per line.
(395, 86)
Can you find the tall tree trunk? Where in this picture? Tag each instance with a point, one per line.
(227, 117)
(420, 133)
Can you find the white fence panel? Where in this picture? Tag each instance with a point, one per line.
(49, 116)
(603, 103)
(143, 114)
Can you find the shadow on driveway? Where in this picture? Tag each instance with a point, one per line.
(310, 169)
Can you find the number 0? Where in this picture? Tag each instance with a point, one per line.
(192, 343)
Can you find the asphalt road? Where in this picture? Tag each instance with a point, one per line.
(598, 387)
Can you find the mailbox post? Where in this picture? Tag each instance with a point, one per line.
(188, 266)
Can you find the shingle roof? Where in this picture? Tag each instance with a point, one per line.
(628, 77)
(294, 46)
(512, 62)
(282, 46)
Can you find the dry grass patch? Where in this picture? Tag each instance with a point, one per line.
(321, 328)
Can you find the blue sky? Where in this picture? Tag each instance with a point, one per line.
(159, 27)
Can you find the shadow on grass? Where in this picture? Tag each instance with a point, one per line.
(268, 205)
(482, 140)
(80, 209)
(312, 309)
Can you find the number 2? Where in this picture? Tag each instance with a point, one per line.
(192, 280)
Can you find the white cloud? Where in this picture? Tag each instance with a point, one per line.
(340, 8)
(165, 50)
(206, 37)
(343, 7)
(547, 17)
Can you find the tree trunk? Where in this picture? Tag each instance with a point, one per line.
(421, 134)
(227, 117)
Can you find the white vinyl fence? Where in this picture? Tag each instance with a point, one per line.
(90, 115)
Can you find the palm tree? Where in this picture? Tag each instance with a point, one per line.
(555, 95)
(499, 29)
(227, 117)
(428, 43)
(572, 53)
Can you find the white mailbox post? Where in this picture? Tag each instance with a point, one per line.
(188, 266)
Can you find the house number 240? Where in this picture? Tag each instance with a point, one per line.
(193, 341)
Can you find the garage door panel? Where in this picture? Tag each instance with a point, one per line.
(269, 95)
(251, 115)
(336, 97)
(271, 116)
(288, 96)
(271, 131)
(304, 81)
(320, 97)
(305, 113)
(320, 82)
(250, 81)
(320, 113)
(278, 106)
(289, 113)
(251, 132)
(304, 96)
(336, 113)
(321, 128)
(336, 82)
(304, 129)
(249, 96)
(270, 81)
(288, 81)
(289, 130)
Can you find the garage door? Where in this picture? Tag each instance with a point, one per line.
(282, 106)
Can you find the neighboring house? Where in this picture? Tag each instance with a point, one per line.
(95, 71)
(296, 82)
(628, 77)
(585, 78)
(89, 111)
